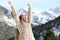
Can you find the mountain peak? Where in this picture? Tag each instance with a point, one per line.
(38, 17)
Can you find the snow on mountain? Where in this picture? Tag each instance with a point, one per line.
(56, 30)
(9, 21)
(55, 11)
(6, 17)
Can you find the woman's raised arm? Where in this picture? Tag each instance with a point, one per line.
(29, 13)
(16, 17)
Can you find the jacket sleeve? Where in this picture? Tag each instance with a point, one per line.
(15, 14)
(29, 14)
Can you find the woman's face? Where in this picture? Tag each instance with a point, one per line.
(24, 17)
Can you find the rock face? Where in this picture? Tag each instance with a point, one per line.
(6, 31)
(53, 25)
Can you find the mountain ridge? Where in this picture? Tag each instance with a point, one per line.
(7, 22)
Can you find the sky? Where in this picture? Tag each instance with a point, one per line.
(42, 5)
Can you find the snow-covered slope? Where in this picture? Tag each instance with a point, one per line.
(6, 16)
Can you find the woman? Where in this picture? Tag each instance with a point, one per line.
(23, 24)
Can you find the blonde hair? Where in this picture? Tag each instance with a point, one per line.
(16, 34)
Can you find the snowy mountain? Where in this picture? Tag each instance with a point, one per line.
(40, 17)
(7, 22)
(6, 16)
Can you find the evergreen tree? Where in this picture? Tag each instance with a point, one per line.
(50, 36)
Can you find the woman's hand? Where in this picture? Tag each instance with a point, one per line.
(29, 5)
(9, 2)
